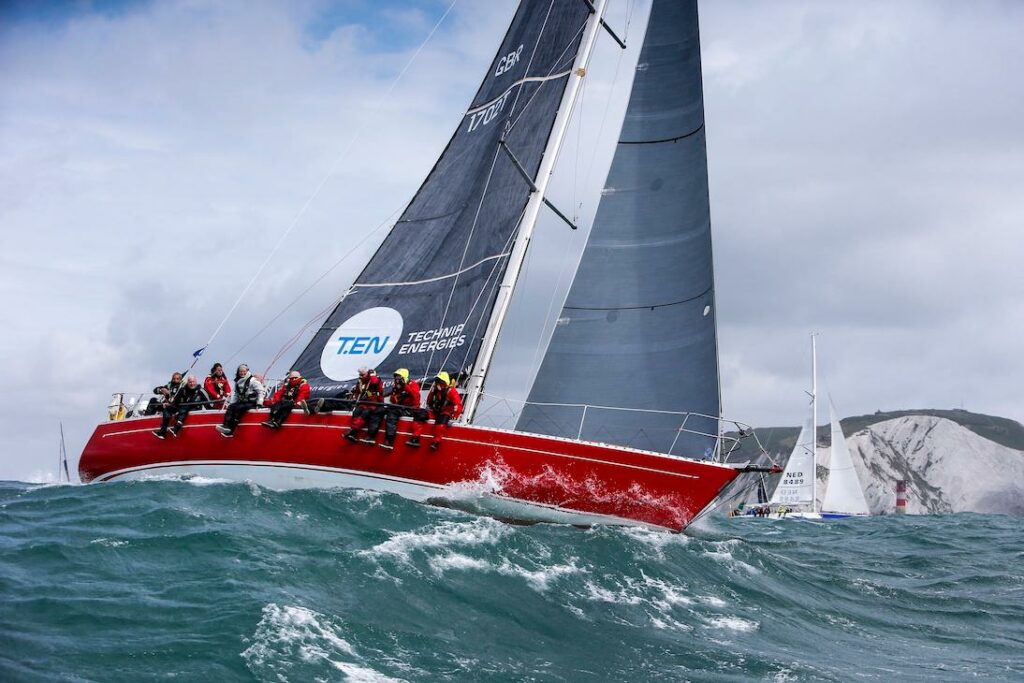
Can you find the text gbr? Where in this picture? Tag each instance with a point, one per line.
(487, 115)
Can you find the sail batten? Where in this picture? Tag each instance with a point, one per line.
(637, 329)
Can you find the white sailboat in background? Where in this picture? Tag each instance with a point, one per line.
(844, 496)
(796, 493)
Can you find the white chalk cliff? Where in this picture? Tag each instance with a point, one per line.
(948, 467)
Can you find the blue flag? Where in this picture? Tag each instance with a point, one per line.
(198, 352)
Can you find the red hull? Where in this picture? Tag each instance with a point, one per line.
(558, 475)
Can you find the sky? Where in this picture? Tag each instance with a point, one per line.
(866, 164)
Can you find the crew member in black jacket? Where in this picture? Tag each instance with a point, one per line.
(178, 405)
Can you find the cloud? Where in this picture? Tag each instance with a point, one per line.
(865, 169)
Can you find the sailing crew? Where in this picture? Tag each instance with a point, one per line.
(249, 393)
(443, 405)
(348, 399)
(295, 390)
(217, 387)
(368, 394)
(404, 400)
(186, 399)
(164, 394)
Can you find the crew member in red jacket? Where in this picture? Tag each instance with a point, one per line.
(294, 391)
(218, 387)
(368, 394)
(404, 401)
(443, 405)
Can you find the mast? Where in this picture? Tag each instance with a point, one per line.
(62, 466)
(814, 422)
(532, 211)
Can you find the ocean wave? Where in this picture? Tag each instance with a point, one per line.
(123, 582)
(288, 637)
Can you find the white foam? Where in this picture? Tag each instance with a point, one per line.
(734, 624)
(669, 624)
(724, 555)
(108, 542)
(784, 676)
(656, 539)
(289, 633)
(541, 578)
(369, 498)
(445, 535)
(618, 597)
(456, 561)
(362, 674)
(670, 595)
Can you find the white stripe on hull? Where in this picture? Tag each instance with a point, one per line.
(286, 476)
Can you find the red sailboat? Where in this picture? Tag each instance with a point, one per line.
(623, 423)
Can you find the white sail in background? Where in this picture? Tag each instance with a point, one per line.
(843, 494)
(796, 487)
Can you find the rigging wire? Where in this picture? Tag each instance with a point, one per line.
(323, 182)
(317, 281)
(298, 335)
(487, 285)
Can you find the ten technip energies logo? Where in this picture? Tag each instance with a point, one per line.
(367, 338)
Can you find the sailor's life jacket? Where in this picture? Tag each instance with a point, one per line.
(191, 398)
(407, 394)
(171, 387)
(444, 401)
(249, 388)
(371, 389)
(296, 391)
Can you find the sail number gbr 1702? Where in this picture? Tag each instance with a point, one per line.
(485, 116)
(488, 114)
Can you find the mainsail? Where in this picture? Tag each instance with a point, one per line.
(843, 494)
(425, 297)
(636, 335)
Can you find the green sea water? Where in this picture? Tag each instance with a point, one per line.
(210, 581)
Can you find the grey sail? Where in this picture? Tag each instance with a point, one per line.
(637, 331)
(424, 299)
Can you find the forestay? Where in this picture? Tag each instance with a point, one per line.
(425, 297)
(843, 494)
(637, 330)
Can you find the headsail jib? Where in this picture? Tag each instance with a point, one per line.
(425, 299)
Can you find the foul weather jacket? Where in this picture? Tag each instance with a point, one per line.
(217, 387)
(408, 395)
(295, 391)
(370, 390)
(445, 402)
(190, 398)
